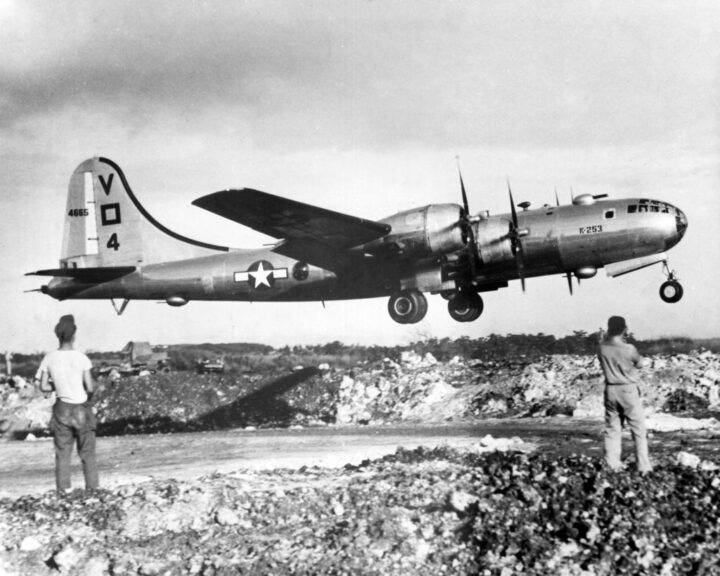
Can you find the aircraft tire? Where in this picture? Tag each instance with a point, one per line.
(466, 307)
(671, 291)
(407, 307)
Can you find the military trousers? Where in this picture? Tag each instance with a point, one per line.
(74, 424)
(623, 405)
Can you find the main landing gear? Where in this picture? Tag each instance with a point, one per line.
(465, 306)
(407, 307)
(410, 306)
(671, 290)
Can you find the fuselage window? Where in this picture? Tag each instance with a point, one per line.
(609, 214)
(632, 208)
(654, 208)
(643, 208)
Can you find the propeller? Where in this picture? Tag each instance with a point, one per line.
(466, 223)
(569, 279)
(557, 200)
(515, 234)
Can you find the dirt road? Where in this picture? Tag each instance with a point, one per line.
(27, 467)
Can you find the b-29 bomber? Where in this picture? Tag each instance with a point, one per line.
(114, 249)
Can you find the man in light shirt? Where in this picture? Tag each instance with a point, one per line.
(73, 420)
(620, 362)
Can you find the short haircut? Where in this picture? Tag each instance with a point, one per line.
(616, 325)
(65, 328)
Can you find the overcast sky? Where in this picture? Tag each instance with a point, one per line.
(359, 107)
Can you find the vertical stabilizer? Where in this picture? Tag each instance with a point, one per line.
(105, 224)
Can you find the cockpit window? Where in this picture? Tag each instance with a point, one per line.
(609, 214)
(651, 206)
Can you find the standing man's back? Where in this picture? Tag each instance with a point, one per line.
(620, 362)
(73, 420)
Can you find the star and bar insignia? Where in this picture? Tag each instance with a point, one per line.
(261, 275)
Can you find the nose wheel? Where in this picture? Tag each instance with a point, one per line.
(671, 290)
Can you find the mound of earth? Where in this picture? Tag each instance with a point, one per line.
(413, 389)
(424, 512)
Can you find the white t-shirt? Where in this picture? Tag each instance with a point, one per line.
(66, 368)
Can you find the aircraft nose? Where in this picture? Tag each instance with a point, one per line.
(681, 223)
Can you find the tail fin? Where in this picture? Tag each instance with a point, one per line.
(105, 224)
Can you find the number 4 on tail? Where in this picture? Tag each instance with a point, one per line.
(113, 242)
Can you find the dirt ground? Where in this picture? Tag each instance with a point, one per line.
(27, 467)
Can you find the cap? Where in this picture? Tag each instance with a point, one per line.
(65, 328)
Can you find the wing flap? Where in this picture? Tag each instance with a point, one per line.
(318, 254)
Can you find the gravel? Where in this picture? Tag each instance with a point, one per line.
(438, 511)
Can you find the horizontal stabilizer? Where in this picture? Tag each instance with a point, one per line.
(626, 266)
(101, 274)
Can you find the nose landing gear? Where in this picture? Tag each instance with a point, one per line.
(671, 290)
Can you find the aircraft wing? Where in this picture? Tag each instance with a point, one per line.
(316, 235)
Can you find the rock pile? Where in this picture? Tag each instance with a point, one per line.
(412, 389)
(426, 390)
(425, 512)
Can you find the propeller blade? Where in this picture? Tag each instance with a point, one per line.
(462, 189)
(557, 200)
(569, 279)
(473, 253)
(515, 240)
(472, 249)
(512, 207)
(520, 262)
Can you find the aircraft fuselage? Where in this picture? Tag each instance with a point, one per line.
(576, 239)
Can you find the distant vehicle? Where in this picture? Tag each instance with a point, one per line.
(137, 357)
(208, 366)
(113, 248)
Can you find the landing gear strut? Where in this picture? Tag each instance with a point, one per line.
(465, 306)
(671, 290)
(407, 307)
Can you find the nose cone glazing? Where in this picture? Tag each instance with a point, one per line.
(681, 223)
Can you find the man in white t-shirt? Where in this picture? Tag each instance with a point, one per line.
(73, 420)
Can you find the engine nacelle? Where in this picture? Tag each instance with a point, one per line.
(433, 230)
(493, 240)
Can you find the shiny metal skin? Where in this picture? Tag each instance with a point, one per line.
(114, 249)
